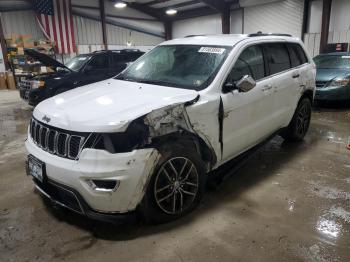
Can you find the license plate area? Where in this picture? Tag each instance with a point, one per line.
(36, 168)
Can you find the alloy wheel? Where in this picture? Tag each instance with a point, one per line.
(303, 119)
(176, 185)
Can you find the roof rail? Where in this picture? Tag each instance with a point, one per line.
(267, 34)
(193, 36)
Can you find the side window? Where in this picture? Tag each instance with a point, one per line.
(297, 55)
(277, 57)
(301, 54)
(118, 59)
(250, 62)
(98, 62)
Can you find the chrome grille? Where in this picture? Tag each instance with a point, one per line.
(56, 141)
(26, 85)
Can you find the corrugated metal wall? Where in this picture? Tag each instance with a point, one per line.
(278, 17)
(88, 32)
(88, 35)
(20, 22)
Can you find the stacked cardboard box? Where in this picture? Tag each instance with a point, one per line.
(10, 80)
(3, 84)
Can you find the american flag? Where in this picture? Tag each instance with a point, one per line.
(56, 22)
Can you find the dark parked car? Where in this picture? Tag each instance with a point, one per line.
(81, 70)
(333, 77)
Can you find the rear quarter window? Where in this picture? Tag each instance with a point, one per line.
(297, 54)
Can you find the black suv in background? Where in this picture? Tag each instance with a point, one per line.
(81, 70)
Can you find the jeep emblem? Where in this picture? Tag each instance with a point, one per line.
(46, 119)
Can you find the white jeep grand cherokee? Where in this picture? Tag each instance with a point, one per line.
(146, 139)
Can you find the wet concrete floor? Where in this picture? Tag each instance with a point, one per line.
(289, 202)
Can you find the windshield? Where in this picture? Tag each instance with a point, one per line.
(76, 63)
(182, 66)
(332, 61)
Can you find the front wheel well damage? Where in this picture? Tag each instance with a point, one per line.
(159, 127)
(187, 140)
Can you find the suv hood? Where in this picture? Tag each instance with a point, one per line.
(107, 106)
(44, 59)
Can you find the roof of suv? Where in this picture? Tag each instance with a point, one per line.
(226, 40)
(121, 51)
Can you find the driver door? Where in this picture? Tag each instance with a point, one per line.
(247, 115)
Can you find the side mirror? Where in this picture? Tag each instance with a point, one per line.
(246, 83)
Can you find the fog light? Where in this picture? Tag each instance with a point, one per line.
(103, 185)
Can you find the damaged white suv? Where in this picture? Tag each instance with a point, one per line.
(147, 139)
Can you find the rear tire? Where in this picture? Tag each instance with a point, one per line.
(300, 122)
(176, 186)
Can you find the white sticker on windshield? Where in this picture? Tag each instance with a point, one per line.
(345, 56)
(211, 50)
(82, 58)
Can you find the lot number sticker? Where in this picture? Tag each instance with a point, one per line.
(211, 50)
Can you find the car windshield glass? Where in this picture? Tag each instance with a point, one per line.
(332, 61)
(183, 66)
(76, 63)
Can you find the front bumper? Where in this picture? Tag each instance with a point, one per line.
(132, 170)
(333, 93)
(32, 96)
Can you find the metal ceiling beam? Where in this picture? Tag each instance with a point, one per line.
(217, 5)
(155, 2)
(144, 8)
(193, 2)
(192, 13)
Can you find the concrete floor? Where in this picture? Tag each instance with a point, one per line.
(290, 202)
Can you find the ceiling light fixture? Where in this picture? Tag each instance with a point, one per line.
(171, 12)
(120, 4)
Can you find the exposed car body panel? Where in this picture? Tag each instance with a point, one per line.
(111, 104)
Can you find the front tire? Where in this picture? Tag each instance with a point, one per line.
(176, 186)
(300, 122)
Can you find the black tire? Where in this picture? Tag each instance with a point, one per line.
(153, 209)
(300, 122)
(61, 90)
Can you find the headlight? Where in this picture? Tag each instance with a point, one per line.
(338, 82)
(37, 84)
(135, 136)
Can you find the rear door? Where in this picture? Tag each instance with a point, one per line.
(282, 79)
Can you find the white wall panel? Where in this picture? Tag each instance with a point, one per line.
(87, 31)
(21, 22)
(315, 17)
(236, 21)
(279, 17)
(88, 35)
(340, 19)
(312, 43)
(210, 24)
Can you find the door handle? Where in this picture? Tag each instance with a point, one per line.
(296, 75)
(266, 87)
